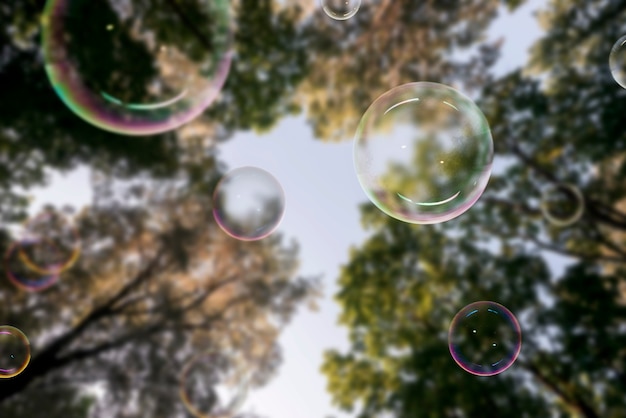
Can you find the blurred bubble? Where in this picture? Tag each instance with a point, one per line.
(484, 338)
(26, 275)
(423, 153)
(14, 351)
(53, 243)
(137, 67)
(211, 388)
(248, 203)
(341, 9)
(562, 204)
(617, 61)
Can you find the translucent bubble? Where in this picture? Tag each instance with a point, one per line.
(248, 203)
(26, 275)
(423, 153)
(562, 204)
(53, 243)
(341, 9)
(617, 61)
(137, 67)
(485, 338)
(14, 351)
(211, 387)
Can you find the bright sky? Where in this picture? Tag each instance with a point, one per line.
(322, 194)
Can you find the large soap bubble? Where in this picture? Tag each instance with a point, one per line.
(137, 67)
(14, 351)
(423, 153)
(617, 61)
(340, 9)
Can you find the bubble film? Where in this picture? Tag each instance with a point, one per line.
(137, 67)
(484, 338)
(562, 204)
(26, 275)
(423, 153)
(49, 244)
(248, 203)
(210, 387)
(617, 61)
(341, 9)
(14, 351)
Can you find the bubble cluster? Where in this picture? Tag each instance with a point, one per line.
(14, 351)
(137, 68)
(341, 9)
(211, 388)
(248, 203)
(617, 61)
(484, 338)
(48, 246)
(423, 153)
(562, 204)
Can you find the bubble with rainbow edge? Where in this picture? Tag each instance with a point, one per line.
(248, 203)
(423, 153)
(211, 387)
(26, 275)
(617, 61)
(137, 68)
(340, 9)
(14, 351)
(562, 204)
(484, 338)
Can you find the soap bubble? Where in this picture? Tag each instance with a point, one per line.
(423, 153)
(562, 204)
(617, 61)
(53, 243)
(14, 351)
(211, 387)
(26, 275)
(249, 203)
(341, 9)
(485, 338)
(137, 67)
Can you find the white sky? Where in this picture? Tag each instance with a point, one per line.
(322, 195)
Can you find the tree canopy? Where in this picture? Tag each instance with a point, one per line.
(558, 120)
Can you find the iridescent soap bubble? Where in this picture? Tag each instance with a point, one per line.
(53, 243)
(137, 67)
(484, 338)
(248, 203)
(341, 9)
(210, 387)
(617, 61)
(423, 153)
(562, 204)
(14, 351)
(27, 275)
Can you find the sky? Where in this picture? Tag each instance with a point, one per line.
(322, 196)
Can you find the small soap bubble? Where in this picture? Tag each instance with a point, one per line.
(484, 338)
(423, 153)
(248, 203)
(14, 351)
(104, 60)
(49, 243)
(341, 9)
(26, 275)
(562, 204)
(210, 387)
(617, 61)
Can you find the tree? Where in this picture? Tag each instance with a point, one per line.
(155, 284)
(558, 121)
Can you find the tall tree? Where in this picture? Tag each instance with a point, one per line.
(558, 121)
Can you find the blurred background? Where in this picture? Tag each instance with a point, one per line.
(343, 311)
